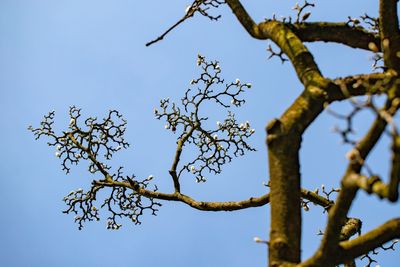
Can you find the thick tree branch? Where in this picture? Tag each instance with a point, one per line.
(342, 33)
(244, 18)
(337, 217)
(390, 34)
(302, 60)
(373, 239)
(393, 190)
(350, 228)
(351, 249)
(373, 185)
(366, 84)
(356, 37)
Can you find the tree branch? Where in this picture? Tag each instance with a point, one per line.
(393, 190)
(316, 198)
(209, 206)
(373, 239)
(176, 196)
(244, 18)
(390, 35)
(356, 37)
(366, 84)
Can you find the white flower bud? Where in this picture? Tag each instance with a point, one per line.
(166, 126)
(58, 154)
(257, 239)
(248, 85)
(215, 137)
(252, 131)
(150, 177)
(59, 147)
(237, 81)
(193, 169)
(72, 122)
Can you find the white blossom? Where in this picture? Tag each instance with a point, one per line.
(72, 122)
(237, 81)
(59, 147)
(150, 177)
(166, 126)
(248, 85)
(252, 131)
(58, 154)
(215, 137)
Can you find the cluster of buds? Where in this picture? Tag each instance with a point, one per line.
(81, 204)
(216, 146)
(203, 7)
(300, 16)
(85, 141)
(124, 202)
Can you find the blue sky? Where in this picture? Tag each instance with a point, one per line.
(58, 53)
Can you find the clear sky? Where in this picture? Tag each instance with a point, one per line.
(58, 53)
